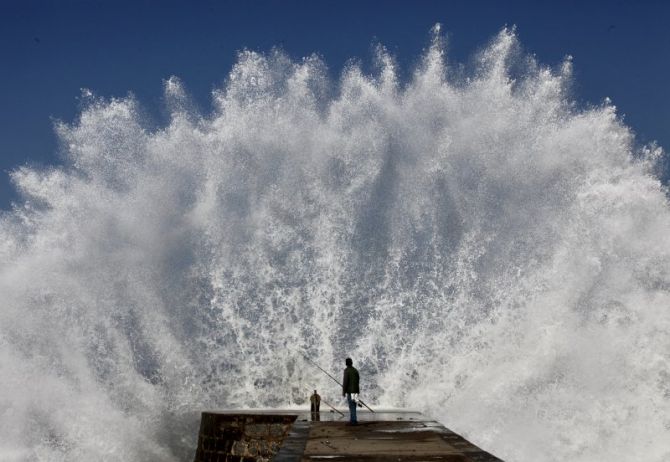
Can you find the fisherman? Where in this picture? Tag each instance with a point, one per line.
(315, 401)
(350, 388)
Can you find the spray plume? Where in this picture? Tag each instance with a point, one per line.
(488, 253)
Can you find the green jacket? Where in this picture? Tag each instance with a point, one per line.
(350, 380)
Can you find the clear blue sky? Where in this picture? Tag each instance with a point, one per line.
(49, 50)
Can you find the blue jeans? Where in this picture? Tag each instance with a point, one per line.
(352, 409)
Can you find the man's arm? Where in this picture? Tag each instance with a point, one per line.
(345, 382)
(358, 381)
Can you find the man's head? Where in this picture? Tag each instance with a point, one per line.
(315, 392)
(348, 362)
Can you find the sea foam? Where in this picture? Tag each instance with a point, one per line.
(487, 250)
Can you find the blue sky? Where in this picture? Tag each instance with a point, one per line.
(49, 50)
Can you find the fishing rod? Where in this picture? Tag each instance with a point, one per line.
(333, 378)
(331, 406)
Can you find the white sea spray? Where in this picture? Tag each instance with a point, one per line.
(489, 253)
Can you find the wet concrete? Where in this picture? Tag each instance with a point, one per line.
(380, 436)
(242, 436)
(284, 435)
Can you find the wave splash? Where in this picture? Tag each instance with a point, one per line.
(487, 252)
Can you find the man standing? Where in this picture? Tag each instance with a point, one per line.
(349, 388)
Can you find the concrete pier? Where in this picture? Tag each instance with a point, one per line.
(283, 436)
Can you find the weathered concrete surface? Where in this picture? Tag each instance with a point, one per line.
(389, 440)
(400, 436)
(237, 437)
